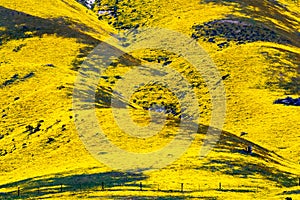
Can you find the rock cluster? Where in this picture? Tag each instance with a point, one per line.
(239, 31)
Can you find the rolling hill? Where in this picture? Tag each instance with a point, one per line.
(255, 47)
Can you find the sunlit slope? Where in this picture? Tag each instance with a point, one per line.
(43, 45)
(255, 44)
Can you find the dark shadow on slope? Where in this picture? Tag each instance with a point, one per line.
(233, 144)
(258, 9)
(260, 26)
(15, 78)
(88, 92)
(40, 186)
(242, 167)
(284, 70)
(266, 11)
(19, 25)
(291, 192)
(238, 190)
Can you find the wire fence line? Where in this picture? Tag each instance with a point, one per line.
(186, 188)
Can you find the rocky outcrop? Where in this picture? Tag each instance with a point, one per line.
(289, 101)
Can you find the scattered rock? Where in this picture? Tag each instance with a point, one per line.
(18, 48)
(223, 44)
(25, 28)
(240, 31)
(29, 129)
(37, 128)
(61, 87)
(49, 65)
(212, 40)
(50, 140)
(195, 36)
(32, 129)
(3, 152)
(162, 58)
(1, 136)
(105, 77)
(13, 148)
(17, 98)
(167, 63)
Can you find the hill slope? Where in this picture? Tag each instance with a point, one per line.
(255, 43)
(42, 46)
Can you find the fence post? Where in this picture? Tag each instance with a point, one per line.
(18, 191)
(181, 187)
(299, 182)
(61, 187)
(141, 186)
(220, 186)
(102, 186)
(38, 190)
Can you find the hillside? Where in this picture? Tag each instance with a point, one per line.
(41, 46)
(254, 44)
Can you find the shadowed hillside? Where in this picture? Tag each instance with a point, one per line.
(255, 46)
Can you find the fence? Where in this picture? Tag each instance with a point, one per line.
(184, 188)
